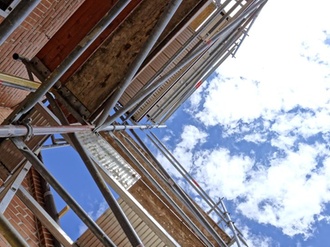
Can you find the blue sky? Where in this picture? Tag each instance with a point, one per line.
(257, 132)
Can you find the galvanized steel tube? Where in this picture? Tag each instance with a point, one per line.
(16, 17)
(33, 98)
(177, 54)
(26, 130)
(198, 232)
(186, 200)
(42, 170)
(156, 32)
(108, 196)
(223, 33)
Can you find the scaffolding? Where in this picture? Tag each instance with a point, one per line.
(104, 136)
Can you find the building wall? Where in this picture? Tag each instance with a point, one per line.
(4, 112)
(27, 40)
(23, 220)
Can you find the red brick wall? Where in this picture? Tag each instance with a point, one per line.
(30, 37)
(20, 216)
(23, 219)
(4, 113)
(27, 40)
(45, 237)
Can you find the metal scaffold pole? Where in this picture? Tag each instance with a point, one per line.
(98, 179)
(195, 53)
(198, 232)
(33, 98)
(177, 54)
(42, 170)
(110, 199)
(156, 32)
(186, 200)
(30, 130)
(231, 225)
(17, 82)
(194, 184)
(10, 233)
(182, 171)
(202, 73)
(60, 237)
(16, 17)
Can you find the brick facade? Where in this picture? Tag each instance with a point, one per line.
(23, 220)
(30, 37)
(4, 112)
(20, 216)
(27, 40)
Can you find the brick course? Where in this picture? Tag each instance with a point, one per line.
(4, 112)
(30, 37)
(23, 220)
(27, 40)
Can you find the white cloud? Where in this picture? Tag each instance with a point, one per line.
(289, 193)
(280, 78)
(191, 137)
(285, 64)
(196, 97)
(256, 138)
(229, 100)
(305, 124)
(222, 174)
(255, 240)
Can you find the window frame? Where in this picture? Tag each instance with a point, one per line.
(10, 8)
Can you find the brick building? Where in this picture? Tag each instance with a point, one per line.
(65, 65)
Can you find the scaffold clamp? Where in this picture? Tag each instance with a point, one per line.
(27, 124)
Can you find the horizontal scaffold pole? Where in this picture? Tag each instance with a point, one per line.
(27, 130)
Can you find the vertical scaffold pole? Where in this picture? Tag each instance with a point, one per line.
(42, 170)
(231, 225)
(156, 32)
(98, 179)
(33, 98)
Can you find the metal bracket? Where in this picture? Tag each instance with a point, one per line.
(36, 66)
(26, 63)
(31, 69)
(74, 102)
(39, 67)
(64, 91)
(27, 124)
